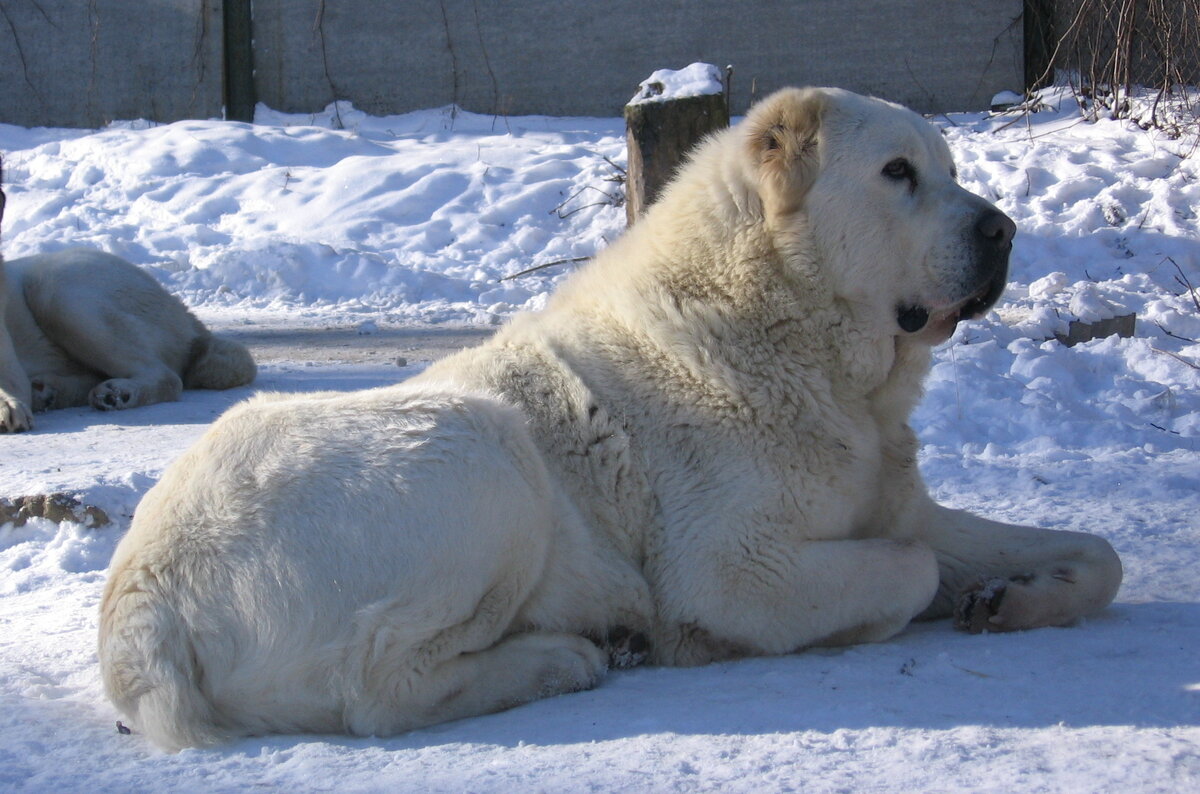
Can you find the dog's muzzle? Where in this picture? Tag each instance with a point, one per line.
(991, 243)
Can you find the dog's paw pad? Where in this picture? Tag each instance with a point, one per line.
(978, 609)
(625, 648)
(111, 396)
(45, 396)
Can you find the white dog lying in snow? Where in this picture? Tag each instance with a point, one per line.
(80, 327)
(698, 451)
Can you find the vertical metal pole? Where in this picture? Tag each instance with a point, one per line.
(240, 95)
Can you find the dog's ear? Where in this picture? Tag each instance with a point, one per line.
(783, 137)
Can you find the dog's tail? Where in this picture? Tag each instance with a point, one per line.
(218, 363)
(149, 665)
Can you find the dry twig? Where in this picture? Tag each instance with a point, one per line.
(544, 265)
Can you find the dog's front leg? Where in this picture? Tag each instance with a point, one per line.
(771, 596)
(1002, 577)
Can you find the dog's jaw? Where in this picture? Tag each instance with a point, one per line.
(935, 325)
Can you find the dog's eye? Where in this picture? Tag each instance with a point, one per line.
(772, 137)
(901, 170)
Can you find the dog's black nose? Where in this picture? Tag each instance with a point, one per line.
(994, 228)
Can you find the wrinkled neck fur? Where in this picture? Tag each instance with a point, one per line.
(710, 249)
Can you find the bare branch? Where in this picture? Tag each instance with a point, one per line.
(545, 265)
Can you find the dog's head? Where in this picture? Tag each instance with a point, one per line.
(872, 188)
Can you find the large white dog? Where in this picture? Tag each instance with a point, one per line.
(80, 327)
(698, 451)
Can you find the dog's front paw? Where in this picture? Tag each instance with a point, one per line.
(113, 395)
(15, 416)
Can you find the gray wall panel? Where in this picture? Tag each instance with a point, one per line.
(81, 64)
(586, 58)
(77, 63)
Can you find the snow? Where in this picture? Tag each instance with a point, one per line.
(1006, 99)
(663, 85)
(368, 225)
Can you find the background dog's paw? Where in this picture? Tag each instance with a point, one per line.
(45, 396)
(15, 416)
(113, 395)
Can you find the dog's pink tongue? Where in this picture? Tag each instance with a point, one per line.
(940, 328)
(930, 329)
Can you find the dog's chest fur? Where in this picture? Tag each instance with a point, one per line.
(646, 444)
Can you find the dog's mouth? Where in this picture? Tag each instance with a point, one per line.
(939, 324)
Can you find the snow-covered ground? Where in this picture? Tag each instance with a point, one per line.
(345, 221)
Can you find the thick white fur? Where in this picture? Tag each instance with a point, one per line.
(81, 327)
(702, 439)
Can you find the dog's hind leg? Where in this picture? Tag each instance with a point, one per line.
(121, 370)
(61, 390)
(517, 670)
(140, 380)
(466, 669)
(114, 320)
(149, 385)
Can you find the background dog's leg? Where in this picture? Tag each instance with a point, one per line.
(133, 379)
(16, 404)
(1001, 577)
(130, 372)
(111, 319)
(154, 383)
(15, 398)
(58, 390)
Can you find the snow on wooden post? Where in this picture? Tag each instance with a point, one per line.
(669, 114)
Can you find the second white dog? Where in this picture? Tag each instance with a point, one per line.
(82, 327)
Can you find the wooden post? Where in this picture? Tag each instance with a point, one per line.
(658, 134)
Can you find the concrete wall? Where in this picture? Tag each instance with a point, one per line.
(81, 64)
(86, 62)
(586, 58)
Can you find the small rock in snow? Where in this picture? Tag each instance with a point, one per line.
(1006, 99)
